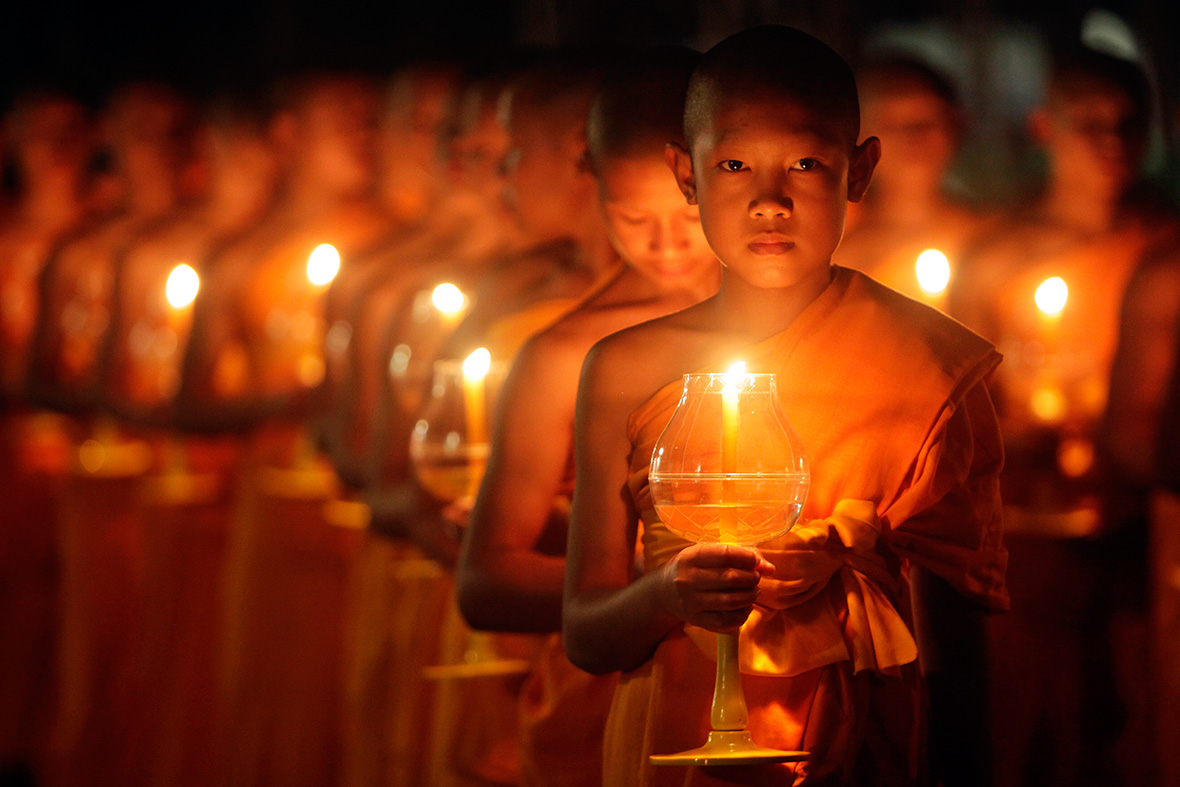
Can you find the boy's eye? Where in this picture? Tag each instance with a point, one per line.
(806, 164)
(732, 165)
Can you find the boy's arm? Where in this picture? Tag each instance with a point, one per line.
(612, 621)
(505, 583)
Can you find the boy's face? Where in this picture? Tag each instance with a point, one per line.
(649, 224)
(773, 178)
(918, 137)
(544, 182)
(338, 135)
(1096, 140)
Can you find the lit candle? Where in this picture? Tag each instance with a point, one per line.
(1051, 297)
(730, 417)
(933, 271)
(730, 395)
(475, 370)
(323, 264)
(180, 291)
(450, 302)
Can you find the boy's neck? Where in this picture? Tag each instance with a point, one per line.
(52, 205)
(1066, 205)
(755, 313)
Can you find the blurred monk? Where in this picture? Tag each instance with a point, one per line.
(888, 399)
(394, 331)
(151, 325)
(512, 570)
(188, 493)
(1139, 439)
(1048, 290)
(551, 194)
(148, 130)
(258, 328)
(909, 210)
(50, 141)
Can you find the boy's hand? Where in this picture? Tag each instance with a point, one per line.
(713, 586)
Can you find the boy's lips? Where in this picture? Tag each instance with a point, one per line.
(771, 243)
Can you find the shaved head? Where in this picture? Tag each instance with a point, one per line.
(773, 61)
(640, 107)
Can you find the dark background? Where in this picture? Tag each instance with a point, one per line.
(996, 51)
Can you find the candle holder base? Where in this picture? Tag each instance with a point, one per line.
(729, 747)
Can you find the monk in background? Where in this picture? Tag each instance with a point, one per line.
(189, 489)
(1138, 442)
(50, 139)
(147, 130)
(889, 400)
(1068, 696)
(914, 112)
(254, 363)
(257, 349)
(550, 193)
(512, 569)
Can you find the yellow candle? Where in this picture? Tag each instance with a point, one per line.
(475, 370)
(730, 418)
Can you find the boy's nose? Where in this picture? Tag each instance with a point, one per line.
(771, 200)
(774, 206)
(668, 239)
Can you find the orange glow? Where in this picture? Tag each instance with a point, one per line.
(1048, 404)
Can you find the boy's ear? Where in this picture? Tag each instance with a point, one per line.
(860, 169)
(680, 162)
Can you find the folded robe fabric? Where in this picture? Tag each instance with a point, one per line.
(889, 400)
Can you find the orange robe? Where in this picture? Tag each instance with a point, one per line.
(889, 400)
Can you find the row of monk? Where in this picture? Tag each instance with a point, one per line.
(260, 515)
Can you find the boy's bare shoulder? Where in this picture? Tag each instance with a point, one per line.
(634, 363)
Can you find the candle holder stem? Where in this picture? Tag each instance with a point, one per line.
(729, 701)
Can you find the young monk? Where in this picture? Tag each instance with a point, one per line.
(512, 569)
(148, 130)
(257, 340)
(50, 141)
(1056, 666)
(888, 399)
(149, 334)
(1138, 441)
(908, 210)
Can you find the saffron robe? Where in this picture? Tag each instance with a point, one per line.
(889, 400)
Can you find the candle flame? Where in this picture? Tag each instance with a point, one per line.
(477, 364)
(933, 270)
(183, 284)
(1052, 295)
(323, 264)
(448, 299)
(735, 373)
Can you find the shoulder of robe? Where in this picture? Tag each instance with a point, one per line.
(897, 338)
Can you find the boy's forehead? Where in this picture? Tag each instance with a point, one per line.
(747, 114)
